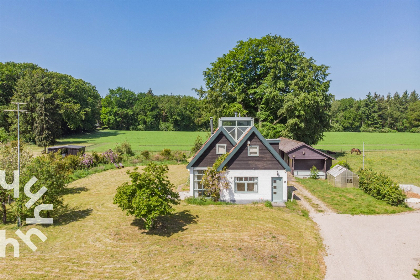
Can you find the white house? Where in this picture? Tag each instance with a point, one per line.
(255, 170)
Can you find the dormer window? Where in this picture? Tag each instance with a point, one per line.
(253, 150)
(236, 126)
(220, 149)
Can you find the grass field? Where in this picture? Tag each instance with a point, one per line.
(348, 200)
(96, 240)
(103, 140)
(345, 141)
(402, 166)
(395, 154)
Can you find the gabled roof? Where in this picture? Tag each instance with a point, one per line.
(288, 145)
(208, 143)
(244, 139)
(337, 170)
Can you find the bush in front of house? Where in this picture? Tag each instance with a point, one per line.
(381, 187)
(314, 172)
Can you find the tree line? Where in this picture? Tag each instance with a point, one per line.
(123, 109)
(377, 113)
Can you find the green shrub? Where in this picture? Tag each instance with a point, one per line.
(415, 130)
(149, 195)
(72, 162)
(166, 154)
(314, 172)
(4, 136)
(166, 126)
(343, 164)
(268, 204)
(381, 187)
(124, 149)
(179, 156)
(145, 155)
(98, 158)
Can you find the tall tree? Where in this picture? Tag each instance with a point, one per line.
(273, 81)
(117, 109)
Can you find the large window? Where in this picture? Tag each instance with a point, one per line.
(246, 184)
(198, 187)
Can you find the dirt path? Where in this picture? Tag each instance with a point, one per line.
(366, 247)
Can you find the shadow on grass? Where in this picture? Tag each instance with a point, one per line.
(335, 154)
(68, 215)
(75, 190)
(84, 136)
(168, 225)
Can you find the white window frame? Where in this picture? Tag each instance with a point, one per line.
(249, 150)
(246, 180)
(198, 189)
(217, 149)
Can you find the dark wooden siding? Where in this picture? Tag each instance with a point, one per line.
(275, 146)
(305, 152)
(329, 163)
(209, 156)
(265, 160)
(306, 164)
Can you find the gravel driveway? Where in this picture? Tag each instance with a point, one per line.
(368, 247)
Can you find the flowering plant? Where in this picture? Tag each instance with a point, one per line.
(110, 156)
(86, 161)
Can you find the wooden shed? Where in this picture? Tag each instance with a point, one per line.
(340, 176)
(301, 157)
(67, 149)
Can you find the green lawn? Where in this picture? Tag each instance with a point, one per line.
(345, 141)
(103, 140)
(348, 200)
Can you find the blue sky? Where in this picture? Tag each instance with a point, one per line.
(166, 45)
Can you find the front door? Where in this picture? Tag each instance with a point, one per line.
(277, 189)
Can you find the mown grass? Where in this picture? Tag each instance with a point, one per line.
(104, 140)
(345, 141)
(348, 200)
(94, 239)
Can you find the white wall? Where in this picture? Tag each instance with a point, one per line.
(191, 181)
(264, 185)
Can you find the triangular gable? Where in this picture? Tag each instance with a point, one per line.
(209, 142)
(244, 139)
(309, 147)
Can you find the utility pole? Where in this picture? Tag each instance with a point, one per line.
(18, 113)
(18, 146)
(363, 155)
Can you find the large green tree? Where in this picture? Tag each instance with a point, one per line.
(273, 81)
(117, 109)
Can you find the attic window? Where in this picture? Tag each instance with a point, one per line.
(253, 150)
(220, 149)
